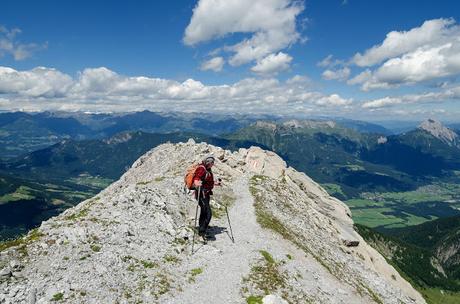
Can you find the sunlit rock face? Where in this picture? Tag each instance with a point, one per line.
(283, 240)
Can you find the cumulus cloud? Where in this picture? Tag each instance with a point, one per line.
(397, 43)
(272, 64)
(429, 97)
(271, 25)
(420, 55)
(340, 74)
(38, 82)
(103, 90)
(329, 61)
(214, 64)
(10, 45)
(333, 100)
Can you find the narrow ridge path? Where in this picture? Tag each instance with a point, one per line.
(224, 263)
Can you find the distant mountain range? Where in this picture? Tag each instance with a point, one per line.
(22, 132)
(346, 158)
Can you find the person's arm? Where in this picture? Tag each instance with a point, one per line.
(200, 172)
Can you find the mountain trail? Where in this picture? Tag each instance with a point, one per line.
(225, 264)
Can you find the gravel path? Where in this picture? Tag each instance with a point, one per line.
(224, 263)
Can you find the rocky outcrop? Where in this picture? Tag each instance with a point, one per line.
(133, 242)
(439, 131)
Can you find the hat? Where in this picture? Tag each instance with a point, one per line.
(208, 159)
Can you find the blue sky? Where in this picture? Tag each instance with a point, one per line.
(227, 56)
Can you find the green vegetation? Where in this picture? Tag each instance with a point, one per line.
(58, 297)
(254, 300)
(171, 259)
(143, 183)
(401, 209)
(193, 273)
(91, 181)
(197, 271)
(84, 257)
(21, 193)
(439, 296)
(224, 200)
(81, 213)
(266, 275)
(149, 264)
(415, 263)
(22, 241)
(95, 248)
(162, 285)
(267, 256)
(333, 189)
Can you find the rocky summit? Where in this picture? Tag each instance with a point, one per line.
(285, 240)
(439, 131)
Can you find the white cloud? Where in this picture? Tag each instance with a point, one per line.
(271, 24)
(272, 64)
(333, 100)
(425, 53)
(429, 97)
(398, 43)
(340, 74)
(214, 64)
(298, 79)
(19, 51)
(37, 82)
(329, 61)
(103, 90)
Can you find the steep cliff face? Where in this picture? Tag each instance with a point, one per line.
(132, 243)
(439, 131)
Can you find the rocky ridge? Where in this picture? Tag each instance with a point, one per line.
(132, 243)
(439, 131)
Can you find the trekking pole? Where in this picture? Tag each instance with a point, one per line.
(196, 215)
(228, 218)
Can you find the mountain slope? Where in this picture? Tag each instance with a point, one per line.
(440, 237)
(132, 242)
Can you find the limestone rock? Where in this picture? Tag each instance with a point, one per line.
(133, 242)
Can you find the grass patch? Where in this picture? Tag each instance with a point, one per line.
(171, 259)
(84, 257)
(95, 248)
(254, 300)
(22, 241)
(224, 200)
(267, 256)
(143, 183)
(162, 285)
(82, 213)
(148, 264)
(268, 221)
(58, 297)
(196, 271)
(266, 275)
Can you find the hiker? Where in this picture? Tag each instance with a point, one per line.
(204, 183)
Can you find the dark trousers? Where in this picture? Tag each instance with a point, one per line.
(205, 211)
